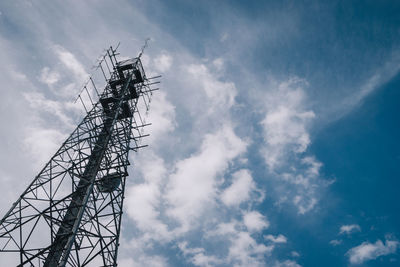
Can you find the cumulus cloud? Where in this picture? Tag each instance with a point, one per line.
(237, 237)
(304, 203)
(287, 263)
(163, 62)
(143, 200)
(240, 189)
(221, 94)
(295, 254)
(303, 184)
(286, 126)
(276, 239)
(162, 117)
(286, 121)
(206, 192)
(142, 260)
(197, 256)
(348, 229)
(335, 242)
(193, 185)
(255, 221)
(370, 251)
(245, 251)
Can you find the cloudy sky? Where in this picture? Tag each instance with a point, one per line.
(275, 134)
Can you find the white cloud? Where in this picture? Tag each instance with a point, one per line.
(287, 263)
(49, 77)
(295, 254)
(163, 62)
(304, 204)
(335, 242)
(42, 143)
(286, 121)
(143, 200)
(276, 239)
(44, 136)
(127, 262)
(255, 221)
(135, 252)
(161, 116)
(39, 103)
(348, 229)
(243, 248)
(197, 256)
(313, 166)
(221, 94)
(370, 251)
(153, 261)
(223, 228)
(49, 125)
(286, 126)
(240, 189)
(193, 185)
(192, 197)
(245, 251)
(218, 63)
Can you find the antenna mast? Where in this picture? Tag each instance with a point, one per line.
(70, 215)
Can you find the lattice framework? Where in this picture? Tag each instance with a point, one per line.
(70, 215)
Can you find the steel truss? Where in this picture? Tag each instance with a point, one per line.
(70, 215)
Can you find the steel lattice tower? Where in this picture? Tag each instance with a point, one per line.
(70, 215)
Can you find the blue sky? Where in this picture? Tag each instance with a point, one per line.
(274, 137)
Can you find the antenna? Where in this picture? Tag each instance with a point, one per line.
(70, 214)
(146, 42)
(89, 91)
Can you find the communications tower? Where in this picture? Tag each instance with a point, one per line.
(70, 214)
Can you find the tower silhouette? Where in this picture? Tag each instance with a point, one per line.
(70, 214)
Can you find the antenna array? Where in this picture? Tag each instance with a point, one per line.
(70, 214)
